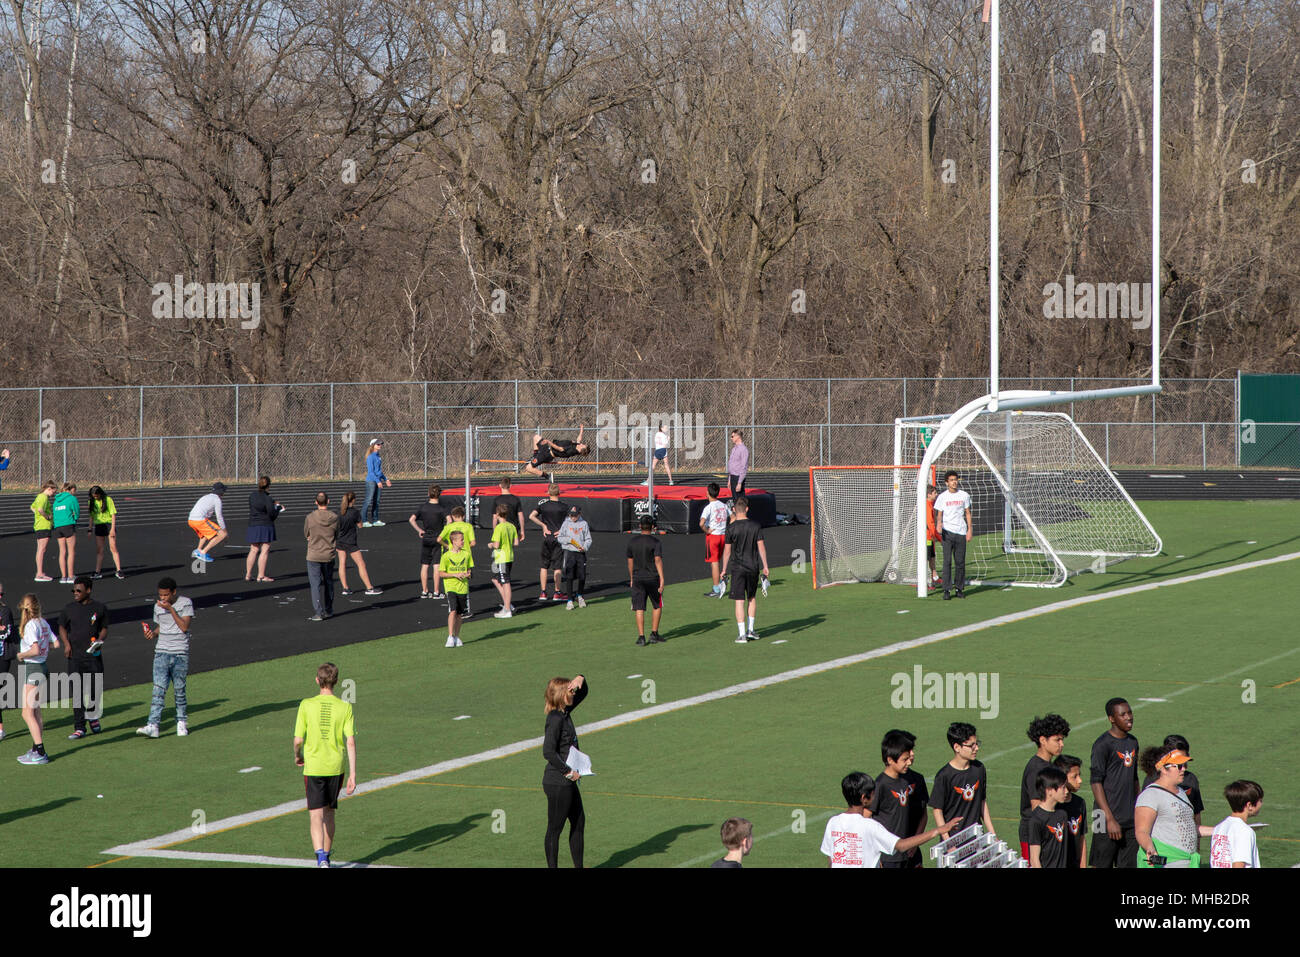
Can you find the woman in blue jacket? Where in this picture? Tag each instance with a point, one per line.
(375, 480)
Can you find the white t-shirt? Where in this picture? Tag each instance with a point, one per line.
(38, 633)
(661, 439)
(715, 517)
(209, 506)
(953, 505)
(852, 840)
(1233, 841)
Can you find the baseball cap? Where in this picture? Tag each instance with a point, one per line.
(1173, 757)
(575, 510)
(219, 488)
(376, 441)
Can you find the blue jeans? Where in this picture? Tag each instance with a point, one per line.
(168, 668)
(321, 576)
(370, 509)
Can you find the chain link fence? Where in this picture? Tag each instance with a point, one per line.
(157, 435)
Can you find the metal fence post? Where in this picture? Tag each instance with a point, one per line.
(597, 446)
(140, 478)
(330, 430)
(257, 454)
(65, 461)
(1107, 445)
(752, 416)
(255, 472)
(1203, 447)
(905, 396)
(160, 461)
(1153, 430)
(426, 428)
(444, 454)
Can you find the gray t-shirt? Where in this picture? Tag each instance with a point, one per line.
(1175, 822)
(171, 639)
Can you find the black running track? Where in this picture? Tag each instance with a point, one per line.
(237, 621)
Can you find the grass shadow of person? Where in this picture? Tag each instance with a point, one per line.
(424, 839)
(658, 844)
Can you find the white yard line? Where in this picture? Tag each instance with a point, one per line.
(161, 842)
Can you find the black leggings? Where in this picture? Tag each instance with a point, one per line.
(575, 573)
(564, 802)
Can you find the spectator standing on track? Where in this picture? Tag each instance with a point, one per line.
(737, 464)
(575, 539)
(901, 796)
(67, 511)
(455, 567)
(956, 529)
(321, 529)
(262, 513)
(1048, 734)
(83, 624)
(514, 510)
(42, 525)
(742, 556)
(662, 444)
(549, 515)
(9, 638)
(559, 781)
(103, 522)
(34, 674)
(713, 522)
(324, 724)
(4, 462)
(1113, 774)
(645, 576)
(961, 786)
(428, 521)
(349, 519)
(1232, 843)
(738, 839)
(503, 556)
(172, 616)
(208, 522)
(375, 480)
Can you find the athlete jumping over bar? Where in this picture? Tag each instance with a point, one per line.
(545, 451)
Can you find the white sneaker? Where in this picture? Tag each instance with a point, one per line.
(582, 602)
(451, 641)
(182, 729)
(377, 591)
(459, 643)
(742, 640)
(149, 731)
(503, 613)
(569, 606)
(377, 524)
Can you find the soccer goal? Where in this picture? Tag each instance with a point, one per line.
(1044, 506)
(858, 520)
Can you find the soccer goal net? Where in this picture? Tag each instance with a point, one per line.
(859, 513)
(1044, 506)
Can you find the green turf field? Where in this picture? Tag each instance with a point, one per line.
(665, 782)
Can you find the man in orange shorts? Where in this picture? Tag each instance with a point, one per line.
(208, 522)
(713, 521)
(931, 534)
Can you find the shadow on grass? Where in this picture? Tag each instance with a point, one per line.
(659, 844)
(795, 625)
(424, 838)
(17, 814)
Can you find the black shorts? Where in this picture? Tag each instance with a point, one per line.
(744, 583)
(102, 529)
(42, 533)
(929, 549)
(347, 548)
(457, 604)
(501, 574)
(542, 456)
(430, 552)
(552, 554)
(323, 791)
(65, 531)
(646, 590)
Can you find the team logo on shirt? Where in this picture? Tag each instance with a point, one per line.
(1058, 832)
(968, 792)
(1075, 824)
(1127, 757)
(902, 798)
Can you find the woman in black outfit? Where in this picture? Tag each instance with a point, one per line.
(563, 800)
(262, 512)
(346, 544)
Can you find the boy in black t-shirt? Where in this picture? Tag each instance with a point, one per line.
(901, 796)
(743, 548)
(1113, 774)
(960, 786)
(1048, 733)
(428, 521)
(1076, 812)
(514, 510)
(738, 839)
(1047, 823)
(645, 576)
(82, 623)
(549, 515)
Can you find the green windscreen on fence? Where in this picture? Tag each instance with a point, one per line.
(1270, 420)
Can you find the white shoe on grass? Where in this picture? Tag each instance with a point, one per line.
(569, 605)
(182, 729)
(149, 731)
(451, 641)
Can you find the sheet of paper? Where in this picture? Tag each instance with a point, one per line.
(579, 762)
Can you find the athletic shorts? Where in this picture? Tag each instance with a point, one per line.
(542, 456)
(323, 791)
(744, 583)
(65, 531)
(430, 552)
(713, 546)
(457, 604)
(929, 549)
(204, 527)
(501, 572)
(42, 533)
(646, 590)
(102, 529)
(661, 454)
(347, 548)
(552, 554)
